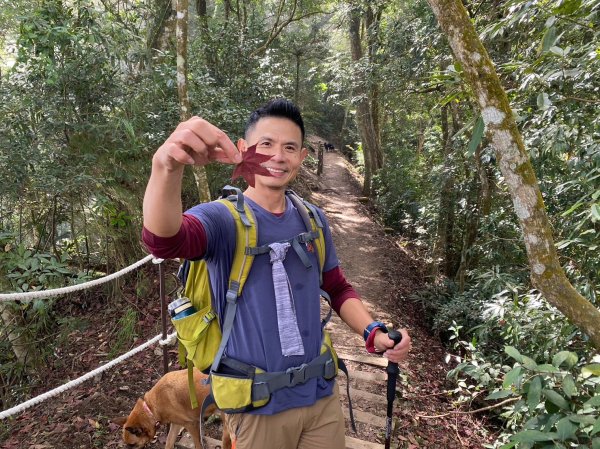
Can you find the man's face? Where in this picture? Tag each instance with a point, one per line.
(282, 139)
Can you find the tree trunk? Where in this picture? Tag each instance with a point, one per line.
(439, 247)
(182, 89)
(297, 81)
(547, 275)
(481, 208)
(364, 119)
(372, 23)
(20, 344)
(163, 11)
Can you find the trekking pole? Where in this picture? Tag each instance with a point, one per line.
(392, 372)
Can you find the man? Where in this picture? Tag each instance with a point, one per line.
(307, 415)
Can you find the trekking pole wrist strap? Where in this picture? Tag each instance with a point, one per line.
(371, 327)
(370, 340)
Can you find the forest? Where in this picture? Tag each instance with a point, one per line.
(474, 126)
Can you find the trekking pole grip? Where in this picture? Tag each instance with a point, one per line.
(397, 338)
(392, 369)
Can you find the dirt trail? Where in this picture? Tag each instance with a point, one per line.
(385, 275)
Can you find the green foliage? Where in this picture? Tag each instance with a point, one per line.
(558, 402)
(125, 332)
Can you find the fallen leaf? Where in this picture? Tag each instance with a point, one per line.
(250, 166)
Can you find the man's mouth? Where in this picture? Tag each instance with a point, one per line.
(275, 170)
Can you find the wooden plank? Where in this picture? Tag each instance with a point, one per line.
(186, 443)
(360, 394)
(365, 417)
(369, 360)
(355, 443)
(378, 376)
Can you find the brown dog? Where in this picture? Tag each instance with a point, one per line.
(168, 402)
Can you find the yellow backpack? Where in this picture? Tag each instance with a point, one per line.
(202, 339)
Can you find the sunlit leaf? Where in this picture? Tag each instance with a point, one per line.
(596, 427)
(513, 377)
(531, 436)
(595, 209)
(543, 101)
(568, 386)
(556, 399)
(476, 137)
(499, 395)
(535, 392)
(513, 352)
(528, 363)
(567, 357)
(548, 40)
(567, 7)
(592, 369)
(593, 402)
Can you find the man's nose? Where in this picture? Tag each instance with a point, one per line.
(278, 152)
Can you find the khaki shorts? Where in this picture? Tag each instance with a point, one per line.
(319, 426)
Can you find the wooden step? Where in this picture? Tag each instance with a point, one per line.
(355, 443)
(365, 417)
(377, 376)
(369, 360)
(186, 443)
(365, 395)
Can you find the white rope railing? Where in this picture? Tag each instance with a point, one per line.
(75, 382)
(28, 296)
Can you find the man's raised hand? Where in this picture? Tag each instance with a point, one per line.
(196, 142)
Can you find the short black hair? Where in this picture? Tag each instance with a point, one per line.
(277, 107)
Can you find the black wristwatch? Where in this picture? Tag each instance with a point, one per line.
(371, 327)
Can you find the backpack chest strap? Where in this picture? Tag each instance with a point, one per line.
(298, 244)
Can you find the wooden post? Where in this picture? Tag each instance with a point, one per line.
(320, 156)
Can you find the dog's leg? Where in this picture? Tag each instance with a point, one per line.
(194, 430)
(172, 435)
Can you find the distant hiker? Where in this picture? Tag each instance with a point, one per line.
(277, 327)
(329, 147)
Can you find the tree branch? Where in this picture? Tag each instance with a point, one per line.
(274, 33)
(471, 412)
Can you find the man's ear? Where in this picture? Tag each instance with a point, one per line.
(241, 145)
(303, 153)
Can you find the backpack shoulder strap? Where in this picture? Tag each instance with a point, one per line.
(246, 236)
(313, 222)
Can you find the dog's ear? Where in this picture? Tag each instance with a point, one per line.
(137, 431)
(120, 421)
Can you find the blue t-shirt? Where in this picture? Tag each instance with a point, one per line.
(255, 336)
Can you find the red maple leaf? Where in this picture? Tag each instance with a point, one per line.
(250, 166)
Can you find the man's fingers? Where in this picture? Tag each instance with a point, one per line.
(180, 155)
(400, 351)
(213, 138)
(188, 140)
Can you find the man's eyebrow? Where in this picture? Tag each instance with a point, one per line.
(271, 139)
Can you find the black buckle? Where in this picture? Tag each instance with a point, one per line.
(297, 374)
